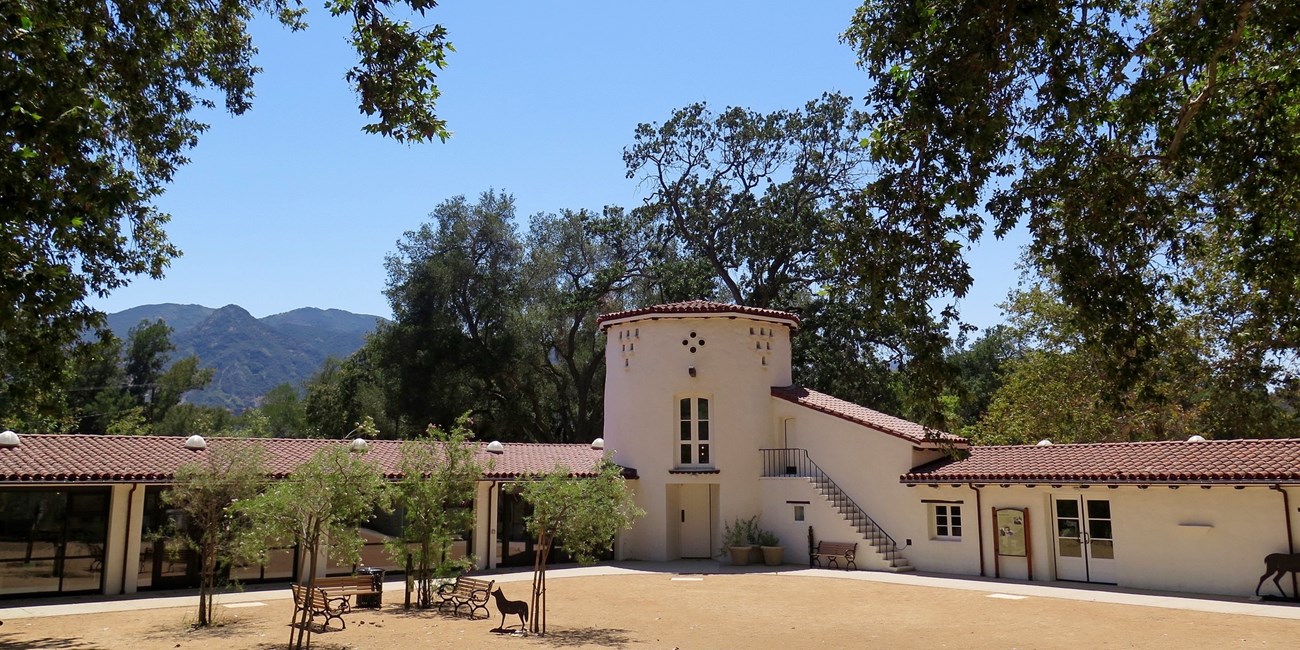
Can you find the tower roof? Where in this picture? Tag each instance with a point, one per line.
(698, 308)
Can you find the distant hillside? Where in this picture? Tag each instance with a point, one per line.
(250, 356)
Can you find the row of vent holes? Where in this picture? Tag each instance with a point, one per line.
(637, 333)
(762, 331)
(628, 347)
(758, 345)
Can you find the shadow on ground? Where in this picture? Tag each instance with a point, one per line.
(583, 636)
(7, 642)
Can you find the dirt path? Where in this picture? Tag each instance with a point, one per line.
(711, 611)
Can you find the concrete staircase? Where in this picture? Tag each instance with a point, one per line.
(875, 538)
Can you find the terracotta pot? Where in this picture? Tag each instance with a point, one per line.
(755, 555)
(773, 555)
(739, 555)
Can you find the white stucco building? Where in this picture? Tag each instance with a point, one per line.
(701, 410)
(699, 401)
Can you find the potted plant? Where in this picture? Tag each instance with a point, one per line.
(773, 552)
(735, 540)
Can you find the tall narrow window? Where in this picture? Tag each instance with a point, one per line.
(693, 432)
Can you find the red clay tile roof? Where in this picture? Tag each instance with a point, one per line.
(700, 307)
(81, 458)
(862, 415)
(1211, 461)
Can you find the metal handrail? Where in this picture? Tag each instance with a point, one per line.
(795, 463)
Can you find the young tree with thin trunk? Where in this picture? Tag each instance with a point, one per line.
(437, 492)
(583, 514)
(206, 491)
(325, 499)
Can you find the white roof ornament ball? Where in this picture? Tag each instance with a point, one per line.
(495, 447)
(9, 440)
(359, 445)
(1196, 438)
(196, 443)
(1044, 443)
(598, 443)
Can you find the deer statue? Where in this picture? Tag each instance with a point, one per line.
(511, 607)
(1279, 564)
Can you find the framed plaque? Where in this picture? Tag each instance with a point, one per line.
(1011, 537)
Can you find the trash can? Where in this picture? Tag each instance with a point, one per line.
(376, 599)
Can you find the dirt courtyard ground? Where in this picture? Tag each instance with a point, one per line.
(786, 612)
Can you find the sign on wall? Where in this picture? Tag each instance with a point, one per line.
(1011, 537)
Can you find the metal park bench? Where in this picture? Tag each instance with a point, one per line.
(316, 601)
(471, 593)
(833, 551)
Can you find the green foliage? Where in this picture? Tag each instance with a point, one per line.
(326, 498)
(752, 194)
(99, 113)
(207, 492)
(284, 411)
(582, 514)
(1065, 390)
(501, 325)
(436, 494)
(1136, 140)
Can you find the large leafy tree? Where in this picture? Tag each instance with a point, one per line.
(752, 194)
(1131, 137)
(99, 111)
(452, 286)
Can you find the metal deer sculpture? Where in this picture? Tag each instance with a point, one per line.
(511, 607)
(1278, 565)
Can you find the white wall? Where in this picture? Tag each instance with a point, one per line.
(1190, 539)
(647, 373)
(865, 463)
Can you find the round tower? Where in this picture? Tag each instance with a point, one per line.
(688, 406)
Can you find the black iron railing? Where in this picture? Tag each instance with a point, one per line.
(795, 463)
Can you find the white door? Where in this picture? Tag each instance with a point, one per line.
(1085, 542)
(695, 522)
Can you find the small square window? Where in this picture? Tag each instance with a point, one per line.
(945, 520)
(798, 513)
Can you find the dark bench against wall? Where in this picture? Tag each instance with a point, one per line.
(833, 551)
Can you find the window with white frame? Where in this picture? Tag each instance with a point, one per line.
(693, 432)
(945, 520)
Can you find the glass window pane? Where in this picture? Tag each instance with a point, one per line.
(82, 574)
(1067, 528)
(1103, 549)
(686, 409)
(28, 577)
(686, 455)
(1099, 529)
(704, 409)
(1069, 547)
(686, 430)
(956, 529)
(704, 430)
(1099, 510)
(1067, 508)
(704, 454)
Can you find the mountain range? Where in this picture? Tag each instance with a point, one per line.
(250, 356)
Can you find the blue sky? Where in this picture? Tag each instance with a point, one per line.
(291, 205)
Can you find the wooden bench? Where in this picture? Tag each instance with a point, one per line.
(833, 551)
(342, 588)
(470, 593)
(318, 603)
